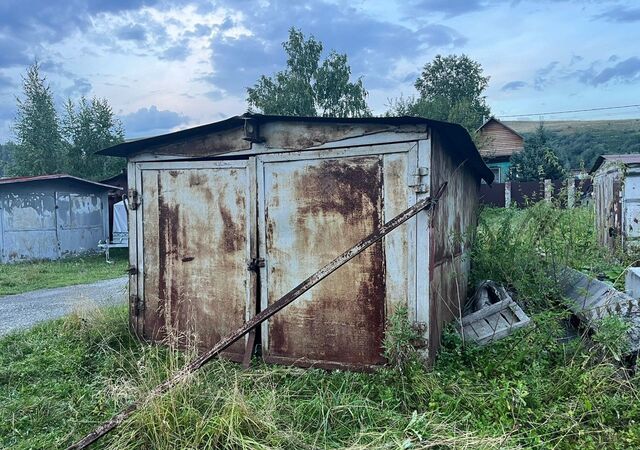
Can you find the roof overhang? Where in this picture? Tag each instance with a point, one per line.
(458, 138)
(59, 176)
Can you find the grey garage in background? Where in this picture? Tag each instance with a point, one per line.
(50, 216)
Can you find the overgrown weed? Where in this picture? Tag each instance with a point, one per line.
(530, 390)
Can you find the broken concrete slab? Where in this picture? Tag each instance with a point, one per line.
(592, 300)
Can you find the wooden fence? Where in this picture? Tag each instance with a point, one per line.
(567, 193)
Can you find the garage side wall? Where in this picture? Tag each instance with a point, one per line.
(453, 226)
(607, 183)
(48, 220)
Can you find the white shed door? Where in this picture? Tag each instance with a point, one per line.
(313, 206)
(196, 227)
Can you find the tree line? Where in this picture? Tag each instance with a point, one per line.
(449, 88)
(50, 142)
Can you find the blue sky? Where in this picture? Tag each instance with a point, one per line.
(169, 65)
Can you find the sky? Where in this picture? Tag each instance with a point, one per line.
(168, 65)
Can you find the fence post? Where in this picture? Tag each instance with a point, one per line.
(507, 194)
(548, 187)
(571, 192)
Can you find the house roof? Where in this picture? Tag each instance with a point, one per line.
(457, 136)
(503, 140)
(57, 176)
(493, 119)
(626, 159)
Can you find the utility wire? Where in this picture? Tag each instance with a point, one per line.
(571, 111)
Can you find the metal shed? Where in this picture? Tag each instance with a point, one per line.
(227, 217)
(50, 216)
(616, 191)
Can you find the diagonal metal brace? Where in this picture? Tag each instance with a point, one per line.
(424, 204)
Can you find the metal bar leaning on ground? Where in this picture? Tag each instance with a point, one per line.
(426, 203)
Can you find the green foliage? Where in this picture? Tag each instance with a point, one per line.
(45, 144)
(537, 161)
(579, 143)
(533, 389)
(611, 336)
(529, 390)
(37, 129)
(307, 87)
(399, 338)
(90, 126)
(28, 276)
(522, 247)
(6, 156)
(450, 88)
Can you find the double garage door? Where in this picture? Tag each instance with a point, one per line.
(219, 240)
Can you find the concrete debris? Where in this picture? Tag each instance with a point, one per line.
(592, 300)
(494, 315)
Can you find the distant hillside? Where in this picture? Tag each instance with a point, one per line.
(580, 142)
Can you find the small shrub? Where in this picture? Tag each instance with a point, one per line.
(399, 340)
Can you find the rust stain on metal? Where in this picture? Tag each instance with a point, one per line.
(185, 303)
(337, 201)
(284, 301)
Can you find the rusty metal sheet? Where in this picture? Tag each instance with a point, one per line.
(314, 210)
(311, 209)
(29, 227)
(196, 246)
(452, 232)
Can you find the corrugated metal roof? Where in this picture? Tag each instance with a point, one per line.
(629, 158)
(458, 137)
(57, 176)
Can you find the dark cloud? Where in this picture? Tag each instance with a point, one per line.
(514, 85)
(7, 111)
(50, 21)
(80, 87)
(6, 82)
(627, 71)
(131, 32)
(13, 52)
(177, 52)
(449, 8)
(148, 121)
(545, 75)
(620, 14)
(372, 45)
(441, 36)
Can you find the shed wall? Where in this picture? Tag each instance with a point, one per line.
(301, 196)
(607, 184)
(453, 225)
(48, 220)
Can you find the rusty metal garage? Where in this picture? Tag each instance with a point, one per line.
(227, 217)
(51, 216)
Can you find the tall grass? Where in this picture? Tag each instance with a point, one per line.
(530, 390)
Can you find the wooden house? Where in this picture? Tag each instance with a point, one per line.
(497, 143)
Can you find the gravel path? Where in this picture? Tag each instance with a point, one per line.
(24, 310)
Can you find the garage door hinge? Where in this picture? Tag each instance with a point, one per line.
(134, 199)
(255, 264)
(138, 304)
(421, 180)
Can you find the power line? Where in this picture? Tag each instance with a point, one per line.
(571, 111)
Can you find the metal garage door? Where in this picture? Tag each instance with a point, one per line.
(314, 205)
(196, 228)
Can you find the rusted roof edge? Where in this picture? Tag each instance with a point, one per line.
(57, 176)
(624, 158)
(455, 133)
